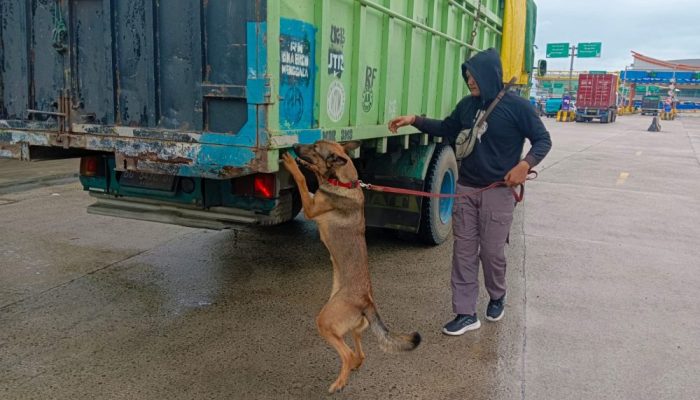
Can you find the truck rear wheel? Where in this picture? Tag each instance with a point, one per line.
(436, 213)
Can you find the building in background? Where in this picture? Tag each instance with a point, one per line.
(677, 79)
(556, 83)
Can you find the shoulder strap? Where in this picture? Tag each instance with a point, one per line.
(495, 102)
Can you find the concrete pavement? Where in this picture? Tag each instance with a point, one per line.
(603, 268)
(18, 175)
(612, 229)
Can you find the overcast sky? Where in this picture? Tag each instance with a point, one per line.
(664, 29)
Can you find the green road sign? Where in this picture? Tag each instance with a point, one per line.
(557, 50)
(597, 72)
(647, 89)
(589, 49)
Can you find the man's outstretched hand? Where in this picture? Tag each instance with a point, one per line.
(403, 120)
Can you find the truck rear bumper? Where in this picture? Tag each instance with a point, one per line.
(213, 218)
(153, 151)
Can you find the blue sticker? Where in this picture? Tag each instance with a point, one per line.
(297, 71)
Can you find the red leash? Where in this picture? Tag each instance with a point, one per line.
(518, 196)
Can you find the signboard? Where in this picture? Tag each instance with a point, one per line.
(647, 89)
(566, 103)
(591, 49)
(557, 50)
(597, 72)
(297, 44)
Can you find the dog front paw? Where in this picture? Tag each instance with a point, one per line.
(291, 164)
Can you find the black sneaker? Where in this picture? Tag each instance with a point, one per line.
(496, 309)
(461, 324)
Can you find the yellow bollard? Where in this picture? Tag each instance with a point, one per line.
(565, 116)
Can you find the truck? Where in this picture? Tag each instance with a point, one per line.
(651, 104)
(552, 106)
(180, 114)
(596, 98)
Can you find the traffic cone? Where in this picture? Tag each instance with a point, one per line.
(655, 126)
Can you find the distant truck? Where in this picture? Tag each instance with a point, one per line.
(552, 106)
(650, 105)
(597, 98)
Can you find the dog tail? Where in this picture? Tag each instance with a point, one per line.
(390, 342)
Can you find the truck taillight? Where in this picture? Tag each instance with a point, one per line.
(264, 185)
(91, 166)
(258, 185)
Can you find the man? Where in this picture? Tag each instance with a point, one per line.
(481, 223)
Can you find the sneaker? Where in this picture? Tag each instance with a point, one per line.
(461, 324)
(496, 309)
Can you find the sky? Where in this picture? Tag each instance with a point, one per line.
(663, 29)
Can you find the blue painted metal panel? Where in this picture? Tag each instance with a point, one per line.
(297, 71)
(192, 75)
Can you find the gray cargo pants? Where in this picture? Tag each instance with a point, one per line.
(481, 224)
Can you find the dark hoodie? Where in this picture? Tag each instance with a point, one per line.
(509, 124)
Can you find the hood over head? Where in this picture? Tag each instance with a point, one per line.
(487, 71)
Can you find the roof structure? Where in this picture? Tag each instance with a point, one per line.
(677, 65)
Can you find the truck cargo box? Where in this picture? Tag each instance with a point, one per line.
(596, 91)
(596, 97)
(189, 107)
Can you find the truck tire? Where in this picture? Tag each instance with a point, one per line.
(296, 203)
(293, 199)
(436, 213)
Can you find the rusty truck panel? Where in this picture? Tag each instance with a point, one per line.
(166, 89)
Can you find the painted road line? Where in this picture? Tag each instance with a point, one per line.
(639, 153)
(622, 178)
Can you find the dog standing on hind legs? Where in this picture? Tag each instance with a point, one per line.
(338, 209)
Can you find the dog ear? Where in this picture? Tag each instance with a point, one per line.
(334, 159)
(350, 146)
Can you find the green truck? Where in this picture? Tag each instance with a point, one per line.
(180, 114)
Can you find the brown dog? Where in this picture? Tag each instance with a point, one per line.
(338, 209)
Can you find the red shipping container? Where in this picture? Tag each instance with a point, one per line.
(596, 91)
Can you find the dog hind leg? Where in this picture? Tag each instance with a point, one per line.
(359, 355)
(334, 321)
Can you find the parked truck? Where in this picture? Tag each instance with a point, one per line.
(596, 98)
(651, 104)
(180, 114)
(552, 106)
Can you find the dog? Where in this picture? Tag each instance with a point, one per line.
(338, 209)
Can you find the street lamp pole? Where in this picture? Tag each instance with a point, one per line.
(571, 67)
(624, 87)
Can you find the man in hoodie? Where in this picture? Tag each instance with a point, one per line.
(481, 223)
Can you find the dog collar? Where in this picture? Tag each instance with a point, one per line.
(347, 185)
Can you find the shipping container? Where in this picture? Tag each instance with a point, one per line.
(181, 112)
(596, 97)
